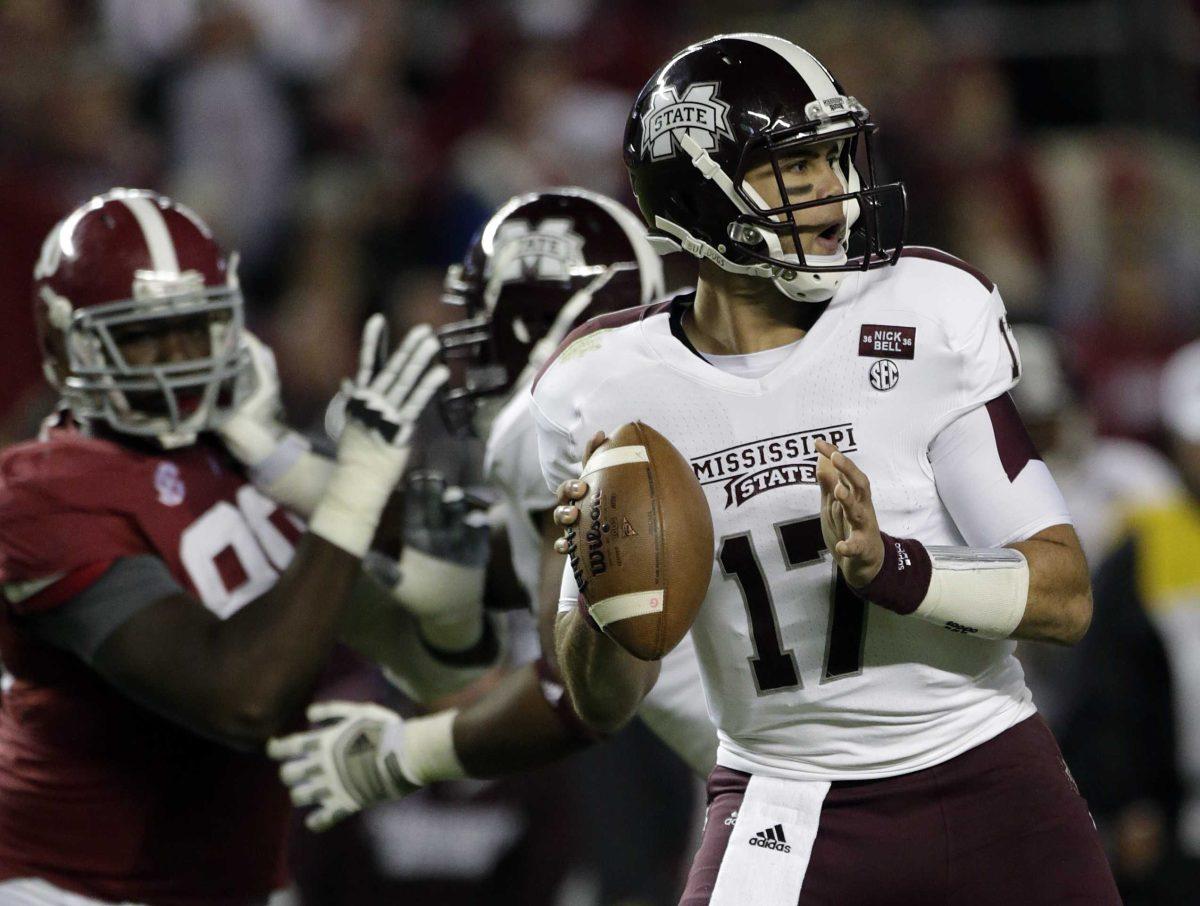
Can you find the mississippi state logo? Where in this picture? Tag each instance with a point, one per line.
(699, 114)
(551, 250)
(762, 465)
(885, 374)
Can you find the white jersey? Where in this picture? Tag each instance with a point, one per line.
(907, 372)
(674, 710)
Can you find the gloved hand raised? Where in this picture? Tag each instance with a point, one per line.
(383, 405)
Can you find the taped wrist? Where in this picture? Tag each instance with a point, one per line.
(977, 591)
(438, 590)
(252, 441)
(554, 692)
(280, 462)
(423, 747)
(484, 651)
(974, 591)
(350, 508)
(302, 486)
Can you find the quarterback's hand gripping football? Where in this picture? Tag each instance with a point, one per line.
(569, 493)
(382, 408)
(346, 765)
(848, 523)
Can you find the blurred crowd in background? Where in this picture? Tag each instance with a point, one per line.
(349, 148)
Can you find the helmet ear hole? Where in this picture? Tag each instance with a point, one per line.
(53, 344)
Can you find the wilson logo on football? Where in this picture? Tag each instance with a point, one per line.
(700, 114)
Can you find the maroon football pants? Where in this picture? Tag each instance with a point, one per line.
(1000, 825)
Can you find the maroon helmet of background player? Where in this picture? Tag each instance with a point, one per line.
(543, 263)
(126, 266)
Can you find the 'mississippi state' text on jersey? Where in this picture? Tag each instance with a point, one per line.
(906, 371)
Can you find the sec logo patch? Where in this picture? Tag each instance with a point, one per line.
(885, 374)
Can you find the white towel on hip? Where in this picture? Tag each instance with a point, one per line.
(767, 855)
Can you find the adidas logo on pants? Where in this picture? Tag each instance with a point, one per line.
(771, 838)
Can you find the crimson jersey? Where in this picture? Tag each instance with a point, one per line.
(98, 794)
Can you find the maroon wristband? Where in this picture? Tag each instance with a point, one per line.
(903, 581)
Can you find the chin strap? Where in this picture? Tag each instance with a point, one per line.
(802, 286)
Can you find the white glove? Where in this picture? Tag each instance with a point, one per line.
(382, 409)
(261, 409)
(364, 755)
(255, 428)
(280, 461)
(344, 766)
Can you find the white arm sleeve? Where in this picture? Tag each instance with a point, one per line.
(556, 450)
(568, 593)
(991, 478)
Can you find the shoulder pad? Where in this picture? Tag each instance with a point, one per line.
(586, 337)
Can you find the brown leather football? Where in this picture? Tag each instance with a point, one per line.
(643, 546)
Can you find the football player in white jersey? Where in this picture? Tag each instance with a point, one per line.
(884, 528)
(542, 264)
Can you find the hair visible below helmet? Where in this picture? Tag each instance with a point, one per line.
(126, 261)
(725, 105)
(542, 264)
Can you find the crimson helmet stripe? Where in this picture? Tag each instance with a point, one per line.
(154, 230)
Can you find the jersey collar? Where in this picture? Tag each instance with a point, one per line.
(669, 340)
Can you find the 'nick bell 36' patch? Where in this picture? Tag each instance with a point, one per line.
(884, 341)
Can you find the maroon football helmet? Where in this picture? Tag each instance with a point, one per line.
(127, 264)
(542, 264)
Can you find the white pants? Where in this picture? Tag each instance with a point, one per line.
(36, 892)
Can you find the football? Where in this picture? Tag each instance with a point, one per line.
(642, 549)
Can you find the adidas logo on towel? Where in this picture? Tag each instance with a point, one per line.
(771, 838)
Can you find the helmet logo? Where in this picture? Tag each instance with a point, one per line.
(548, 251)
(149, 285)
(699, 114)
